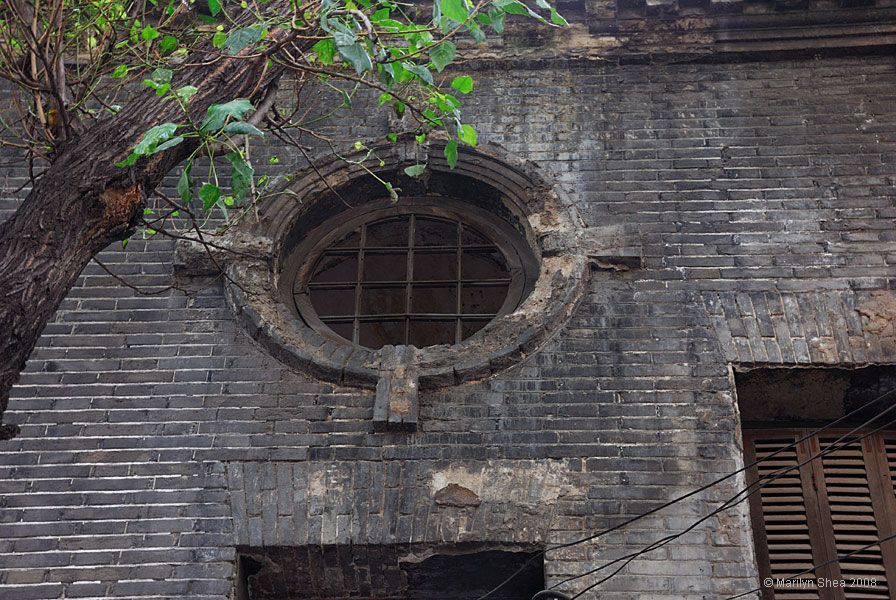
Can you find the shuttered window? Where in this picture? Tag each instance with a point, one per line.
(827, 508)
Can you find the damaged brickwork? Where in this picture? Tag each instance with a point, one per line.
(744, 211)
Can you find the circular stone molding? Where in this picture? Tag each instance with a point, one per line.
(259, 282)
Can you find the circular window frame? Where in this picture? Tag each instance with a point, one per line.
(539, 212)
(518, 255)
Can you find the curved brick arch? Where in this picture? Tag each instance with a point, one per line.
(505, 185)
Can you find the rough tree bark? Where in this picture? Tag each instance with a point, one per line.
(83, 202)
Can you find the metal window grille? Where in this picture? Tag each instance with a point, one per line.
(416, 279)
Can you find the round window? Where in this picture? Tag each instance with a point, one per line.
(469, 272)
(425, 272)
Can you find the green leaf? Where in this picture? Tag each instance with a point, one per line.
(514, 7)
(120, 71)
(392, 137)
(241, 173)
(241, 38)
(463, 84)
(169, 144)
(149, 33)
(386, 73)
(497, 18)
(420, 71)
(217, 114)
(557, 18)
(243, 128)
(161, 75)
(154, 137)
(219, 39)
(432, 118)
(214, 7)
(467, 134)
(380, 15)
(209, 194)
(342, 34)
(186, 92)
(442, 54)
(451, 153)
(325, 51)
(420, 138)
(455, 9)
(357, 56)
(131, 159)
(446, 102)
(124, 243)
(168, 44)
(414, 170)
(476, 33)
(184, 186)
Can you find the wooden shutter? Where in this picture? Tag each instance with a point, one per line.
(851, 509)
(780, 519)
(827, 508)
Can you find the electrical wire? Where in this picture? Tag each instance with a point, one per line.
(678, 499)
(820, 565)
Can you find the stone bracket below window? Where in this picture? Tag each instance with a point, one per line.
(395, 406)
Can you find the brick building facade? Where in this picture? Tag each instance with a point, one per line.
(730, 166)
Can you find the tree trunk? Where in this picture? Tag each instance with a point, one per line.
(83, 202)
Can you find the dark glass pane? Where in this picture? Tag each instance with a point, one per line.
(333, 302)
(435, 232)
(432, 333)
(392, 232)
(470, 326)
(438, 265)
(471, 237)
(381, 333)
(484, 265)
(342, 329)
(382, 301)
(432, 299)
(335, 268)
(385, 266)
(350, 241)
(479, 300)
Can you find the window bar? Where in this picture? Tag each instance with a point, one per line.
(338, 285)
(356, 322)
(458, 331)
(409, 294)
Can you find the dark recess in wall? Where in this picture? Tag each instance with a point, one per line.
(458, 572)
(780, 396)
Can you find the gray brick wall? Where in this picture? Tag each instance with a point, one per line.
(156, 437)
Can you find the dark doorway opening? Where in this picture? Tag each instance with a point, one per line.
(394, 572)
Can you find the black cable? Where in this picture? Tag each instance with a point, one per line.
(690, 494)
(728, 504)
(820, 565)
